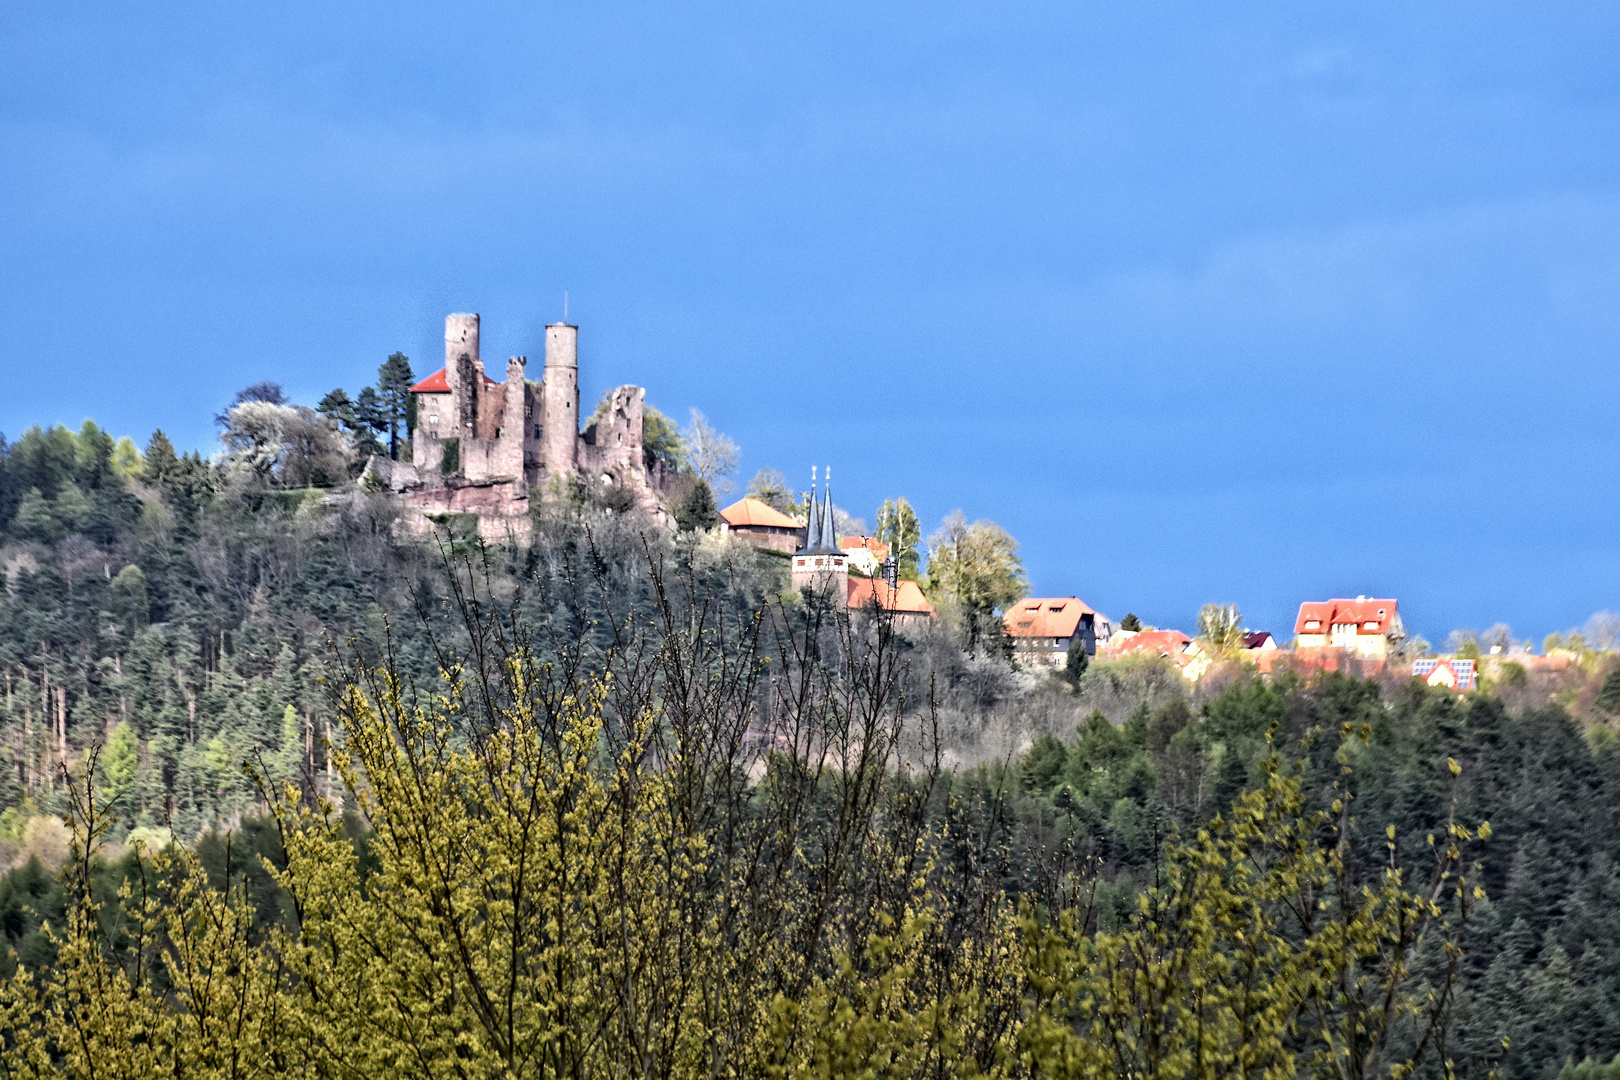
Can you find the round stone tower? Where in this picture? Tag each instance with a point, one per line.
(559, 408)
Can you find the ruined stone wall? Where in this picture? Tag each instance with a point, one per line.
(533, 446)
(510, 436)
(613, 440)
(501, 506)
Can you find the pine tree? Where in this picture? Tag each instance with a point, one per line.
(394, 380)
(370, 417)
(1074, 666)
(1608, 699)
(697, 509)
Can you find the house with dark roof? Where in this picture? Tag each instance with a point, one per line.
(1453, 673)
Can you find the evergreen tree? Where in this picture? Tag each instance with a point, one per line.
(1075, 664)
(371, 417)
(337, 405)
(1608, 699)
(159, 464)
(697, 510)
(394, 381)
(1130, 622)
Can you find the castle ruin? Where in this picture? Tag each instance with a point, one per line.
(478, 446)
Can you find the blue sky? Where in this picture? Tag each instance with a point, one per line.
(1244, 302)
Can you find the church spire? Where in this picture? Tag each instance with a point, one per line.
(820, 533)
(829, 530)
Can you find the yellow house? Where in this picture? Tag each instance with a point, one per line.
(1362, 626)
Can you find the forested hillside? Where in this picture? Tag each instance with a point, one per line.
(196, 632)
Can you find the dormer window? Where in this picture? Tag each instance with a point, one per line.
(1313, 625)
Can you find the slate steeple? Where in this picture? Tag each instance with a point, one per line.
(821, 533)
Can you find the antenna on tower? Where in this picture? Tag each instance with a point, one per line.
(565, 305)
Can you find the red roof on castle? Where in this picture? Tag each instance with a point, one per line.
(439, 383)
(905, 599)
(751, 511)
(1039, 617)
(1369, 616)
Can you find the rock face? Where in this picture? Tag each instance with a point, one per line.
(479, 446)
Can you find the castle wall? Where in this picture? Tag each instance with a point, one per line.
(613, 441)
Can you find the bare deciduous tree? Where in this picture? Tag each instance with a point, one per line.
(711, 455)
(1602, 630)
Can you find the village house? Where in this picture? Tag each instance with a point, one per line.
(1043, 629)
(1454, 673)
(902, 599)
(762, 525)
(1187, 655)
(1363, 626)
(866, 555)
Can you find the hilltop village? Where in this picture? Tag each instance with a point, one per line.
(477, 448)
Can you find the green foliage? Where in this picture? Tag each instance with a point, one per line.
(1591, 1070)
(974, 571)
(1221, 628)
(126, 458)
(127, 597)
(36, 519)
(1077, 660)
(696, 509)
(1130, 622)
(615, 884)
(661, 440)
(450, 461)
(897, 526)
(202, 653)
(1608, 699)
(394, 381)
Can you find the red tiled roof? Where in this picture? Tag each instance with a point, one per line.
(878, 548)
(751, 511)
(1328, 613)
(1170, 643)
(438, 383)
(907, 598)
(1039, 617)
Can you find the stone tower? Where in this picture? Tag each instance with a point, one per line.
(559, 407)
(462, 368)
